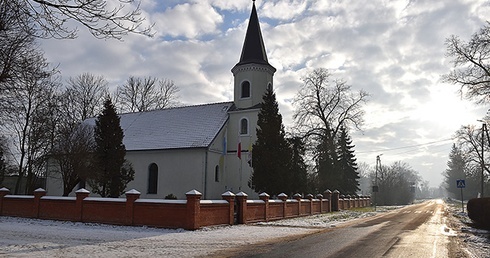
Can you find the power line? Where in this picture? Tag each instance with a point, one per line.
(407, 147)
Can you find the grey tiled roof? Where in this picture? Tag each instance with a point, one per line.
(181, 127)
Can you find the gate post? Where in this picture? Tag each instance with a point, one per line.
(230, 198)
(242, 207)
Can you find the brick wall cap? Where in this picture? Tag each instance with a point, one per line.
(39, 190)
(327, 191)
(264, 194)
(336, 191)
(193, 192)
(132, 191)
(319, 196)
(242, 194)
(228, 193)
(309, 196)
(282, 195)
(4, 189)
(297, 195)
(82, 190)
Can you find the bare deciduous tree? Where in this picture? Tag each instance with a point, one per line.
(144, 94)
(72, 155)
(395, 184)
(471, 62)
(16, 40)
(28, 116)
(324, 105)
(103, 18)
(84, 96)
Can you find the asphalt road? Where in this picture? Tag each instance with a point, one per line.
(414, 231)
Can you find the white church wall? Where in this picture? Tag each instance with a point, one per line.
(54, 183)
(179, 171)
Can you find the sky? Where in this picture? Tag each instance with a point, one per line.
(393, 49)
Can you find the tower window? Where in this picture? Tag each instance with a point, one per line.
(245, 91)
(216, 174)
(152, 178)
(244, 126)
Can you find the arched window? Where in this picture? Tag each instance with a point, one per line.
(245, 91)
(244, 126)
(152, 178)
(269, 86)
(216, 174)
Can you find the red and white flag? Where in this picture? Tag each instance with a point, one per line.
(239, 147)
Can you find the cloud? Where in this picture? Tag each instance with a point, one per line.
(189, 20)
(392, 49)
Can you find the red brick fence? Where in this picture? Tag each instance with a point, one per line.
(192, 213)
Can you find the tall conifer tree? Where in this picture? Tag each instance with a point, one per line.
(326, 163)
(455, 171)
(112, 171)
(346, 164)
(299, 176)
(272, 154)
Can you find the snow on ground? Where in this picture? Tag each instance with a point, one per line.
(476, 241)
(20, 237)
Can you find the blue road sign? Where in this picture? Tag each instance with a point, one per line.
(460, 183)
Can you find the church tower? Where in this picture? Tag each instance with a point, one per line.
(253, 75)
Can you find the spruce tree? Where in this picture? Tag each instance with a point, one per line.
(271, 152)
(346, 164)
(2, 166)
(455, 171)
(112, 171)
(299, 172)
(326, 163)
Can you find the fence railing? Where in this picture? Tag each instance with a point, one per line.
(192, 213)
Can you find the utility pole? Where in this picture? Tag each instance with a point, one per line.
(375, 187)
(483, 129)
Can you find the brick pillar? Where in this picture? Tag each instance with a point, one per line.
(310, 197)
(242, 207)
(230, 198)
(193, 209)
(349, 201)
(335, 200)
(320, 197)
(81, 194)
(131, 196)
(328, 195)
(265, 197)
(297, 197)
(38, 193)
(3, 191)
(284, 198)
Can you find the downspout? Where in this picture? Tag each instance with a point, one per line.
(206, 174)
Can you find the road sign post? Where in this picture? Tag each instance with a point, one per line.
(461, 184)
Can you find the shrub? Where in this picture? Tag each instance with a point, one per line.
(479, 211)
(171, 197)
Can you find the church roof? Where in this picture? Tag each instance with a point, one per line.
(173, 128)
(253, 50)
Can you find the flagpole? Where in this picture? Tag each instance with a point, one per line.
(240, 187)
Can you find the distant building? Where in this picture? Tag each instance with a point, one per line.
(197, 147)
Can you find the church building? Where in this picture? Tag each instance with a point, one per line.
(204, 147)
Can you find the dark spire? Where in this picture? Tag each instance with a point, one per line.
(253, 50)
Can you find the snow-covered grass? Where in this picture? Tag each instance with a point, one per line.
(476, 241)
(22, 237)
